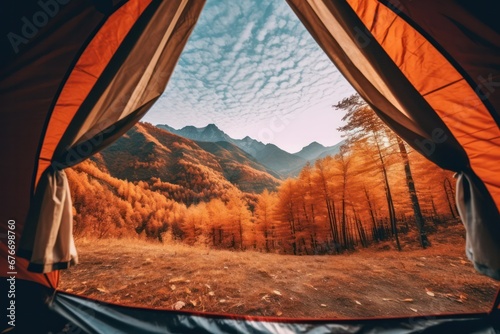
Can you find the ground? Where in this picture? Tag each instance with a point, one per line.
(370, 282)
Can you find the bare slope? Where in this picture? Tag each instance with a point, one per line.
(362, 284)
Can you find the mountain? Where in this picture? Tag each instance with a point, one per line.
(315, 151)
(269, 155)
(330, 150)
(250, 145)
(311, 151)
(239, 167)
(277, 161)
(183, 169)
(209, 133)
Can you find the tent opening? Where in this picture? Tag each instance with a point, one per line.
(260, 184)
(260, 194)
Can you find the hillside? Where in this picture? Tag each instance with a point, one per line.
(240, 168)
(311, 151)
(147, 153)
(280, 161)
(250, 145)
(315, 151)
(330, 151)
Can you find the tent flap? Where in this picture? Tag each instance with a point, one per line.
(116, 79)
(427, 87)
(482, 244)
(48, 235)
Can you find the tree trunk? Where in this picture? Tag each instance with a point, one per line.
(372, 216)
(447, 191)
(292, 230)
(419, 219)
(330, 207)
(241, 234)
(434, 211)
(390, 203)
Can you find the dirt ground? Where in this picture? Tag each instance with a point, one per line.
(366, 283)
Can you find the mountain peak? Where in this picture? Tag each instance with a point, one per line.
(268, 155)
(311, 151)
(211, 126)
(190, 127)
(166, 127)
(314, 144)
(209, 133)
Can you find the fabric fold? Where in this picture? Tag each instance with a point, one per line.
(482, 245)
(47, 240)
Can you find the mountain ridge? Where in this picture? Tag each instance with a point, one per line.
(270, 155)
(183, 169)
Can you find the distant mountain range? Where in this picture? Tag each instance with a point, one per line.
(269, 155)
(185, 170)
(197, 164)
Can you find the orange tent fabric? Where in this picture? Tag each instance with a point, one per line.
(438, 93)
(53, 100)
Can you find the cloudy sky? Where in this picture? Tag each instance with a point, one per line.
(252, 68)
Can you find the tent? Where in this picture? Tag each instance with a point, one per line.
(76, 75)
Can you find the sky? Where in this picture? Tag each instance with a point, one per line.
(252, 68)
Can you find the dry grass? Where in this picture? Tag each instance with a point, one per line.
(371, 282)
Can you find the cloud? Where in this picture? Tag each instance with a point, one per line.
(245, 62)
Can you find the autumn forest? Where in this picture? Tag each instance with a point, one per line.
(158, 186)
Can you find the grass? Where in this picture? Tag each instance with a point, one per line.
(367, 283)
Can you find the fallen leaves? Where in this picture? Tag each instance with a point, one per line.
(459, 297)
(178, 280)
(299, 294)
(178, 305)
(405, 300)
(162, 291)
(310, 286)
